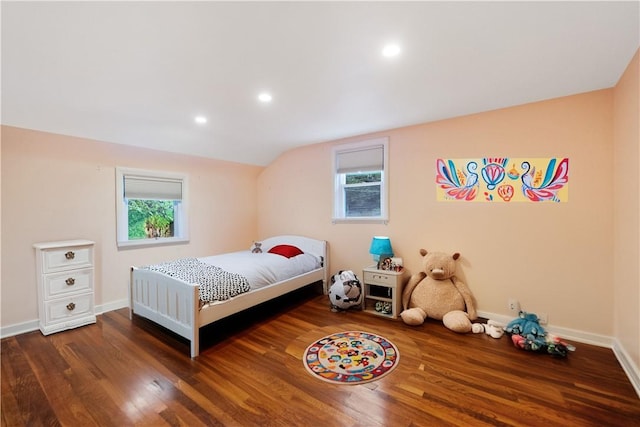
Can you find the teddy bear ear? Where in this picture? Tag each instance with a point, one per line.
(456, 256)
(423, 252)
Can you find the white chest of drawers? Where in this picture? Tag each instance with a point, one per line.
(65, 272)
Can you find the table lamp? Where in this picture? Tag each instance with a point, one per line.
(380, 247)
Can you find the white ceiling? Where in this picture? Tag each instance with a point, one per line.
(138, 73)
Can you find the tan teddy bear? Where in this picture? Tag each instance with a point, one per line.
(437, 293)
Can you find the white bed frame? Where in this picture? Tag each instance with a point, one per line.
(174, 304)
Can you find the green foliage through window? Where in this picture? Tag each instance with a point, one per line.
(151, 218)
(362, 201)
(362, 194)
(359, 178)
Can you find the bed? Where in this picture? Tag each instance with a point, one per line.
(176, 305)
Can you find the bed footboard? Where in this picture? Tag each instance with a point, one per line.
(168, 302)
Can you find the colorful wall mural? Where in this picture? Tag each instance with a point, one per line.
(503, 179)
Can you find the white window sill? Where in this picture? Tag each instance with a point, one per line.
(145, 243)
(360, 220)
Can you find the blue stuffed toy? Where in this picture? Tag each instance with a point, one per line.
(527, 326)
(527, 334)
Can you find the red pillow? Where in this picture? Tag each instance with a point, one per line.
(287, 251)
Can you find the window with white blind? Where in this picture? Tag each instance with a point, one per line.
(151, 207)
(360, 181)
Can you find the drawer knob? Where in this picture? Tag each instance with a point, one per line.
(71, 306)
(70, 281)
(70, 255)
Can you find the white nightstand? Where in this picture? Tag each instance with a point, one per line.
(65, 284)
(384, 288)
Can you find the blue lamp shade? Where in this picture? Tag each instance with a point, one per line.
(380, 246)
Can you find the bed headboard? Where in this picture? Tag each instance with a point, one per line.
(306, 244)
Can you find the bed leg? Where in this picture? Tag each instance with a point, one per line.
(195, 323)
(131, 283)
(195, 348)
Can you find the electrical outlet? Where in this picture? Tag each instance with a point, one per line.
(513, 305)
(543, 318)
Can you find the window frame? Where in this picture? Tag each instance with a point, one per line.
(339, 181)
(181, 213)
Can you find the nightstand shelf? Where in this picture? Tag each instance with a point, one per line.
(382, 292)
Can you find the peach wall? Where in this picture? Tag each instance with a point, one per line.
(626, 178)
(553, 257)
(58, 187)
(0, 227)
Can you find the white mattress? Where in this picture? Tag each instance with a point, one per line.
(263, 269)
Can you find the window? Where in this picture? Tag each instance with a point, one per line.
(151, 207)
(360, 190)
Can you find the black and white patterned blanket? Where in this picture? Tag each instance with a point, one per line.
(215, 283)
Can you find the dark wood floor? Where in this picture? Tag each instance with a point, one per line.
(120, 372)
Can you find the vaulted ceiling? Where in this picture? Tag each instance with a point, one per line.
(139, 73)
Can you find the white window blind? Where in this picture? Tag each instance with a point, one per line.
(147, 188)
(360, 160)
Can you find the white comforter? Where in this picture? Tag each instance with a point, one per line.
(264, 268)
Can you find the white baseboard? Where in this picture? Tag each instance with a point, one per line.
(19, 328)
(32, 325)
(110, 306)
(566, 333)
(627, 364)
(632, 371)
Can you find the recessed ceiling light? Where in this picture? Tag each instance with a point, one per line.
(200, 120)
(391, 50)
(265, 97)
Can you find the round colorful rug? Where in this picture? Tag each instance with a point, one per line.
(351, 357)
